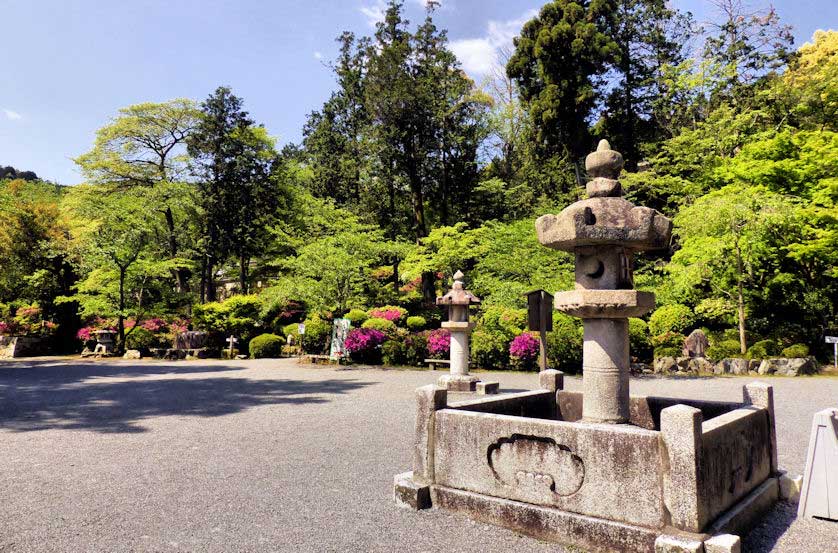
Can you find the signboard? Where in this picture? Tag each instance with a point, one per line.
(340, 330)
(301, 328)
(540, 311)
(832, 339)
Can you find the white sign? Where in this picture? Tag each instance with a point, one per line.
(340, 331)
(301, 328)
(832, 339)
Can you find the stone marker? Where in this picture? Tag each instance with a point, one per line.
(790, 487)
(696, 344)
(819, 496)
(678, 544)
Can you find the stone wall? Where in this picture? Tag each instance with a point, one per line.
(736, 366)
(22, 346)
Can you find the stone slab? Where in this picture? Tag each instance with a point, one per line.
(458, 383)
(605, 304)
(790, 487)
(819, 496)
(678, 544)
(409, 494)
(487, 388)
(594, 535)
(723, 543)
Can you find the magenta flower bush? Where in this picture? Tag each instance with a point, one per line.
(439, 343)
(523, 351)
(364, 344)
(388, 312)
(155, 325)
(85, 333)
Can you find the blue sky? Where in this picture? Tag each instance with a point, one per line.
(69, 66)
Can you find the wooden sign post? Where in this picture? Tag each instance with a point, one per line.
(834, 341)
(540, 319)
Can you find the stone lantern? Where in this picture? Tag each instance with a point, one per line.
(458, 300)
(604, 232)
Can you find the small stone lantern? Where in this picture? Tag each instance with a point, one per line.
(458, 300)
(105, 342)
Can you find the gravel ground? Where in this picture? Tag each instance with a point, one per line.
(272, 456)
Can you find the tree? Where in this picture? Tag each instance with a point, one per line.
(123, 275)
(725, 244)
(812, 82)
(751, 43)
(143, 148)
(559, 58)
(649, 36)
(232, 160)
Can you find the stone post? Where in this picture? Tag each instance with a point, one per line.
(605, 354)
(681, 433)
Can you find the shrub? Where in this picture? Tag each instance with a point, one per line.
(416, 348)
(763, 349)
(564, 344)
(511, 322)
(523, 351)
(416, 323)
(356, 317)
(724, 349)
(667, 352)
(670, 339)
(364, 345)
(318, 331)
(238, 315)
(439, 343)
(796, 350)
(392, 353)
(140, 338)
(155, 325)
(490, 348)
(384, 325)
(671, 318)
(292, 330)
(639, 339)
(266, 346)
(392, 313)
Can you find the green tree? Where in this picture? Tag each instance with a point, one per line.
(559, 59)
(233, 161)
(143, 148)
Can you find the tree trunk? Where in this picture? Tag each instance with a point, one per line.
(178, 274)
(211, 292)
(243, 264)
(743, 344)
(120, 321)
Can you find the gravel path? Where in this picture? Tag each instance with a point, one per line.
(272, 456)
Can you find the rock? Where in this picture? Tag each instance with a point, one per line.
(696, 344)
(133, 354)
(700, 365)
(738, 366)
(753, 365)
(722, 367)
(664, 365)
(788, 367)
(640, 368)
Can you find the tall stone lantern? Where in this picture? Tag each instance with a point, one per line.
(604, 232)
(458, 300)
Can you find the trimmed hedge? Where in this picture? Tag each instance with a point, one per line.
(266, 346)
(796, 350)
(416, 323)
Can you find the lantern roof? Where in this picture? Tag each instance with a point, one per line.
(458, 295)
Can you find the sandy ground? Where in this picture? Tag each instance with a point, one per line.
(272, 456)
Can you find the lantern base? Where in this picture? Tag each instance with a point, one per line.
(458, 382)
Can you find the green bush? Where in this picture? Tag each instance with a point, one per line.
(763, 349)
(724, 349)
(671, 318)
(238, 315)
(416, 323)
(564, 344)
(142, 339)
(356, 317)
(667, 351)
(511, 322)
(796, 350)
(318, 332)
(393, 352)
(416, 349)
(266, 346)
(639, 339)
(490, 348)
(672, 340)
(385, 326)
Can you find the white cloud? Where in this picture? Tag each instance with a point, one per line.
(12, 115)
(318, 55)
(480, 55)
(374, 12)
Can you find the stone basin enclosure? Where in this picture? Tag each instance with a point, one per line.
(600, 469)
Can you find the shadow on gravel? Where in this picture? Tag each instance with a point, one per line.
(44, 399)
(764, 537)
